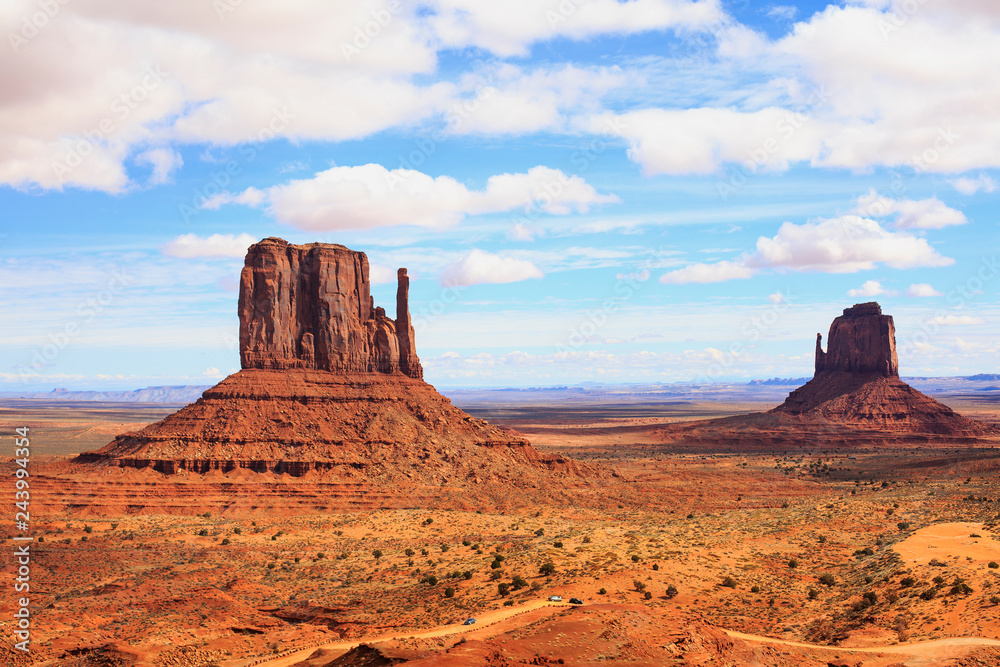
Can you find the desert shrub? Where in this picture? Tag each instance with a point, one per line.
(639, 586)
(467, 574)
(449, 592)
(867, 551)
(586, 539)
(320, 555)
(603, 591)
(671, 591)
(88, 529)
(225, 541)
(409, 552)
(496, 565)
(635, 558)
(424, 552)
(203, 532)
(813, 593)
(938, 580)
(792, 563)
(755, 589)
(518, 582)
(539, 532)
(906, 582)
(827, 579)
(647, 595)
(993, 565)
(656, 567)
(503, 589)
(961, 588)
(903, 525)
(430, 580)
(995, 599)
(557, 545)
(729, 582)
(466, 543)
(444, 547)
(936, 563)
(928, 594)
(821, 539)
(495, 575)
(691, 516)
(377, 553)
(547, 569)
(270, 566)
(536, 585)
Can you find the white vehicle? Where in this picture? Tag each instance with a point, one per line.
(555, 598)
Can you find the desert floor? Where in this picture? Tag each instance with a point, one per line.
(805, 556)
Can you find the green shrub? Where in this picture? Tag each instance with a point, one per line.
(729, 582)
(671, 591)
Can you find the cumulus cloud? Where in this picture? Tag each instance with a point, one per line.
(370, 195)
(121, 76)
(708, 273)
(955, 320)
(478, 267)
(922, 290)
(868, 288)
(970, 186)
(163, 161)
(838, 245)
(847, 88)
(216, 245)
(507, 29)
(929, 213)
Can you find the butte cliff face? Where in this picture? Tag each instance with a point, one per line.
(329, 383)
(311, 307)
(854, 398)
(857, 383)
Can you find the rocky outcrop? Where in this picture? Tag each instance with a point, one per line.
(310, 306)
(857, 382)
(861, 341)
(330, 384)
(855, 398)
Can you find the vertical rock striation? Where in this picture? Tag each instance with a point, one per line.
(861, 341)
(329, 384)
(310, 306)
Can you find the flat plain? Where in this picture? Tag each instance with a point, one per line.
(680, 556)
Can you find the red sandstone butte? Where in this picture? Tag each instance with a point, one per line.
(329, 383)
(854, 398)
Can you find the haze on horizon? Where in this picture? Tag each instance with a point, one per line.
(582, 190)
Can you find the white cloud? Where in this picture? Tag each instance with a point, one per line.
(868, 288)
(776, 298)
(478, 267)
(216, 245)
(164, 161)
(370, 196)
(970, 186)
(521, 232)
(918, 290)
(509, 100)
(839, 90)
(786, 12)
(380, 274)
(708, 273)
(508, 28)
(838, 245)
(955, 320)
(929, 213)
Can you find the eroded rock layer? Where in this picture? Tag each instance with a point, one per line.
(310, 306)
(329, 382)
(854, 398)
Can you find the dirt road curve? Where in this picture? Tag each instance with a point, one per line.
(924, 653)
(482, 620)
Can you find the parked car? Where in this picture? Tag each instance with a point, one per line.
(555, 598)
(469, 621)
(575, 601)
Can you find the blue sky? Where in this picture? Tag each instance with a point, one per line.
(582, 190)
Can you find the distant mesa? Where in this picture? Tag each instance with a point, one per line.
(329, 383)
(854, 397)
